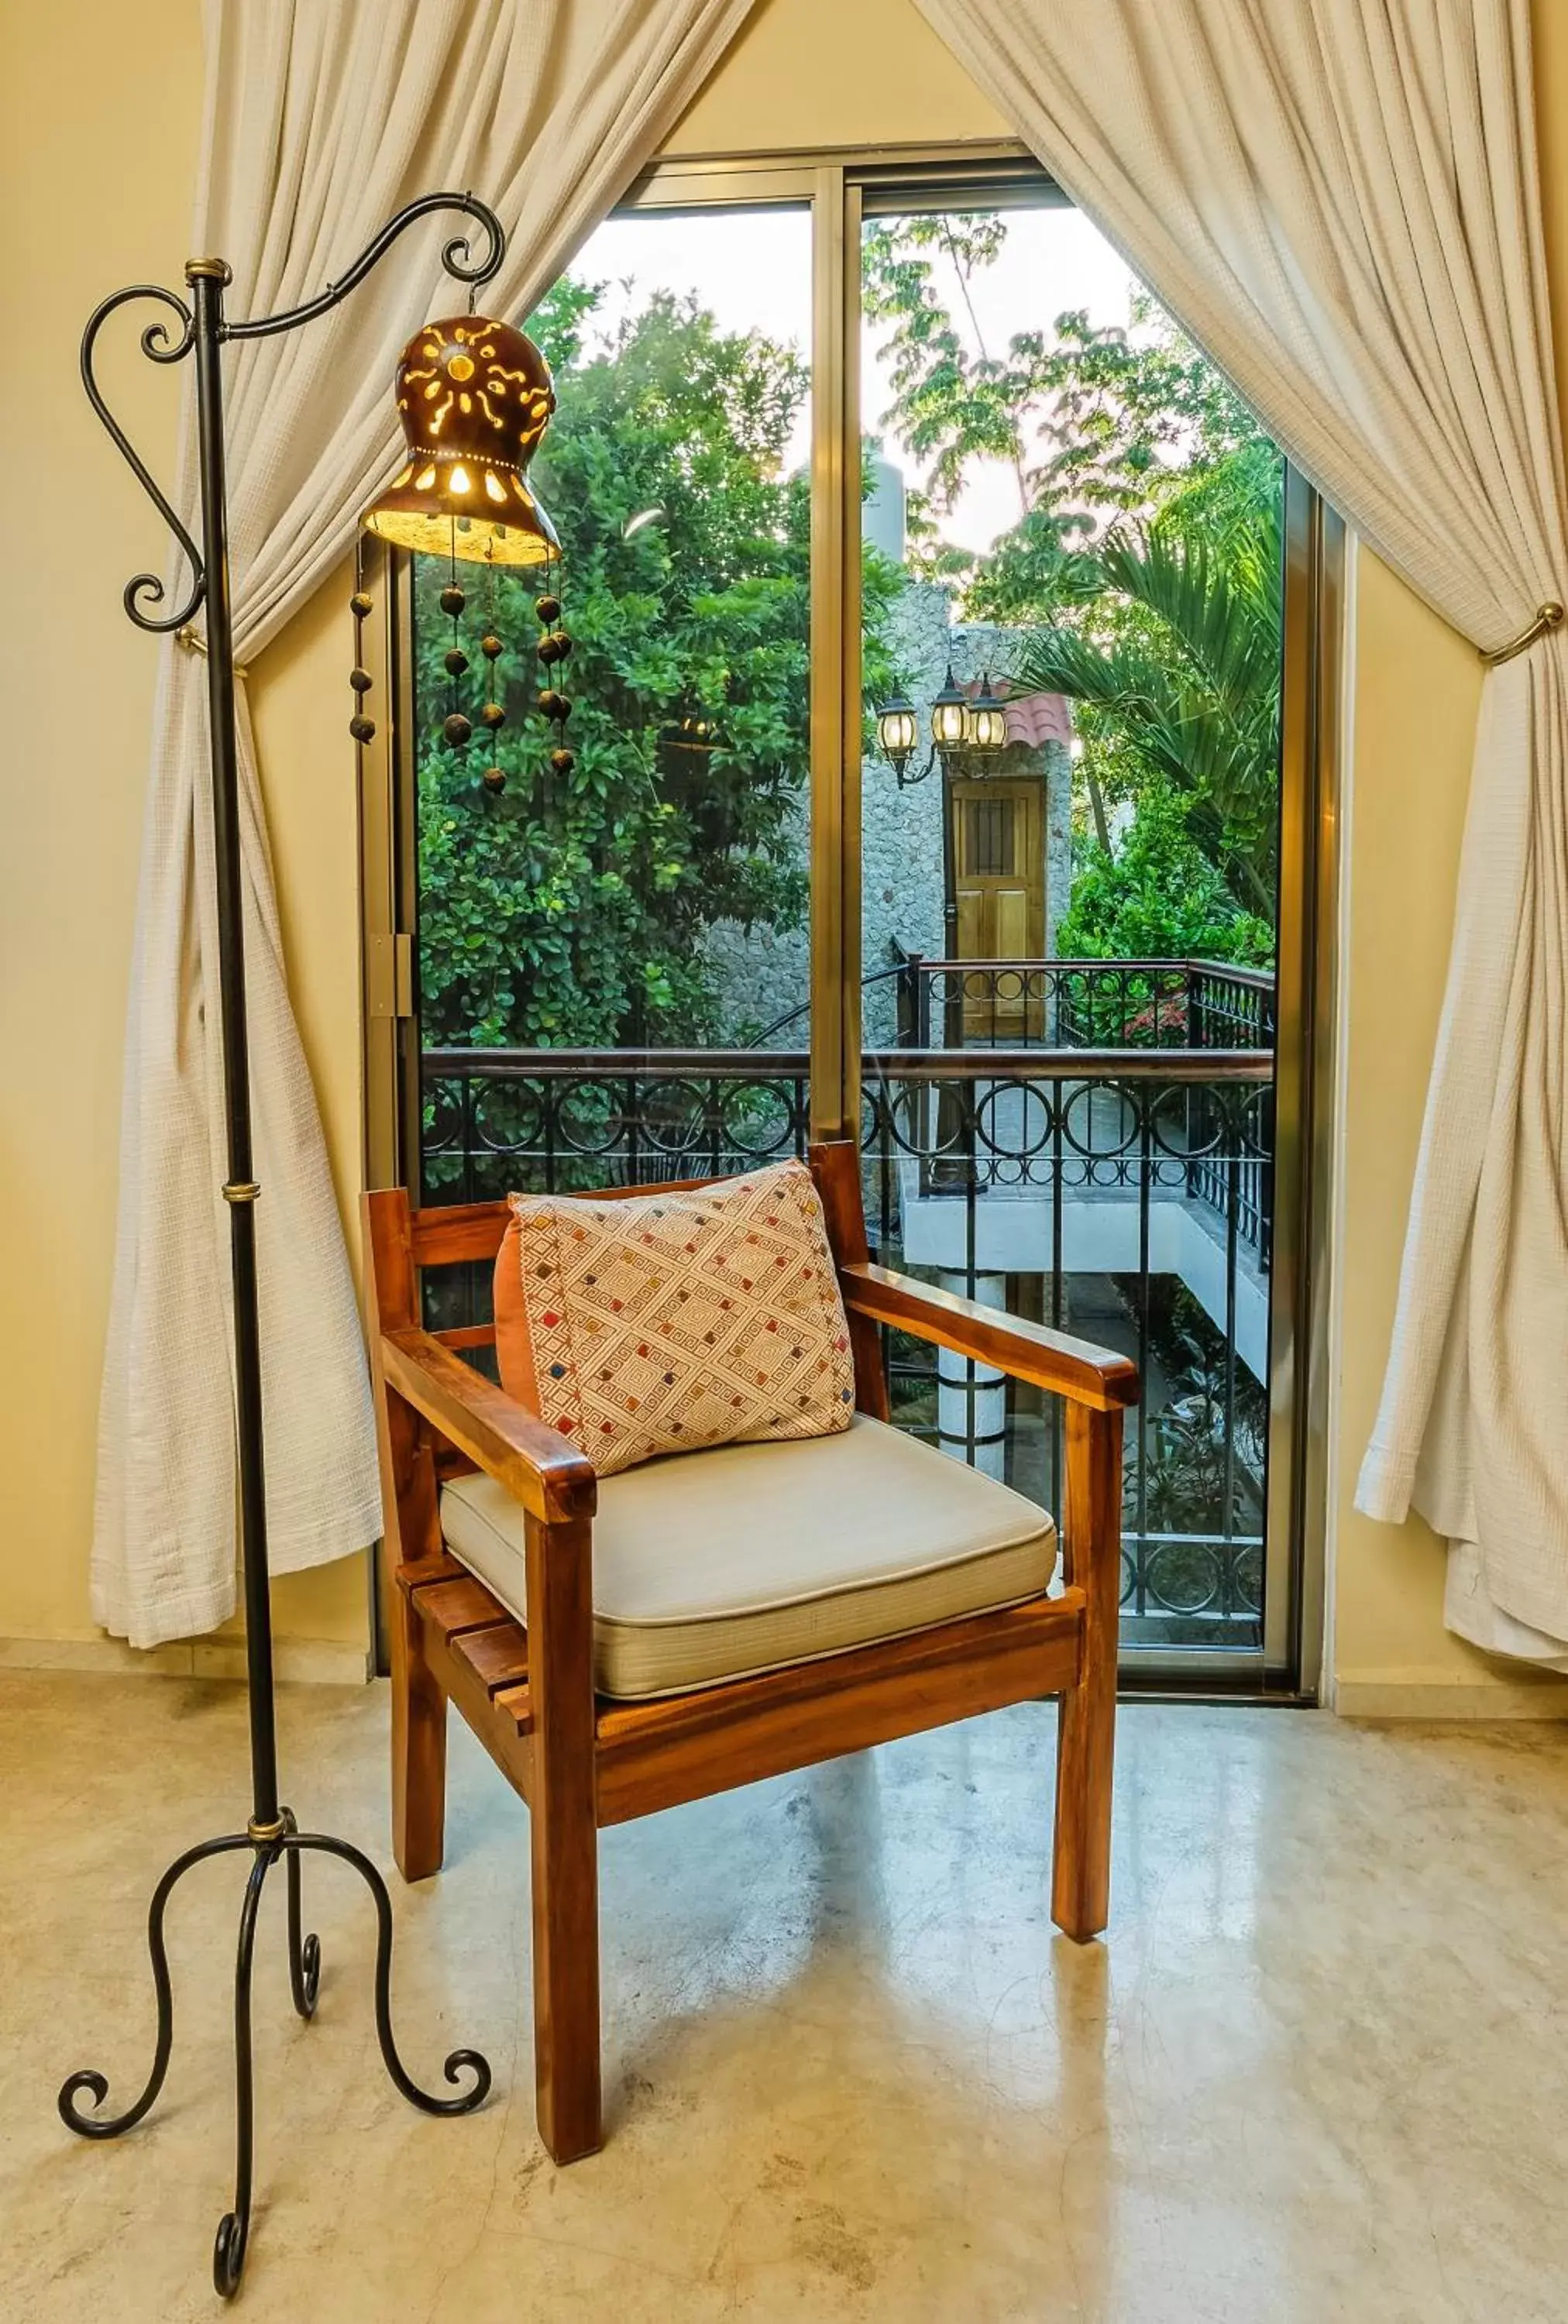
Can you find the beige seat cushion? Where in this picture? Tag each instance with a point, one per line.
(715, 1565)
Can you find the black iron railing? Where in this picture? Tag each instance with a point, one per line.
(1018, 1172)
(1083, 1004)
(1071, 1004)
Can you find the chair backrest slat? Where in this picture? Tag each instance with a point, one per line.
(468, 1335)
(448, 1234)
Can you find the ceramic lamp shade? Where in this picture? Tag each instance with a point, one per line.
(473, 397)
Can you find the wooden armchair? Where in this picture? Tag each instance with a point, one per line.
(581, 1760)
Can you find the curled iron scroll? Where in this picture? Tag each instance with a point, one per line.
(455, 258)
(145, 589)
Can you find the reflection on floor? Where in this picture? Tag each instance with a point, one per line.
(1317, 2072)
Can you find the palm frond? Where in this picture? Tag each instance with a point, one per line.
(1223, 612)
(1193, 684)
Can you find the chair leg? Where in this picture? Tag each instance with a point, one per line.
(1086, 1730)
(566, 1985)
(1081, 1868)
(564, 1840)
(419, 1744)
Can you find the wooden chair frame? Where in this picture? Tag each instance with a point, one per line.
(581, 1762)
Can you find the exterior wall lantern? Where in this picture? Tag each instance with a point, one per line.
(985, 727)
(959, 723)
(964, 729)
(950, 715)
(898, 732)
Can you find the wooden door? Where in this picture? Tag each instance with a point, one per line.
(999, 860)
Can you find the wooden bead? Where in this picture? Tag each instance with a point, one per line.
(457, 729)
(563, 645)
(493, 715)
(548, 609)
(554, 705)
(494, 779)
(490, 645)
(547, 648)
(360, 680)
(362, 729)
(456, 661)
(562, 762)
(359, 605)
(452, 599)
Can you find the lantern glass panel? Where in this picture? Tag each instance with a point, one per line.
(897, 731)
(949, 720)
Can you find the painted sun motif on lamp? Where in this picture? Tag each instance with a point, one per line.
(475, 397)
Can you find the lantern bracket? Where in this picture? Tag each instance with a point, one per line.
(455, 258)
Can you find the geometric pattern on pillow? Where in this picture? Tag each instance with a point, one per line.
(668, 1323)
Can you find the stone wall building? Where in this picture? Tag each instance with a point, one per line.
(764, 973)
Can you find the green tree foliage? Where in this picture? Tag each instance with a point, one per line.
(1146, 559)
(1092, 423)
(572, 911)
(1157, 896)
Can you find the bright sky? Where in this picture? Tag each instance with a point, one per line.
(752, 270)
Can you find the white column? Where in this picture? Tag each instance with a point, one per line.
(990, 1386)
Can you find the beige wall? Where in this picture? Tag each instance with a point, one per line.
(97, 158)
(808, 73)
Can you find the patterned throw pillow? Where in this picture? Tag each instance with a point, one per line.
(667, 1322)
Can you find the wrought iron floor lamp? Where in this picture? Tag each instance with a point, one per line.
(270, 1834)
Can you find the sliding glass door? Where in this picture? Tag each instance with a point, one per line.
(948, 656)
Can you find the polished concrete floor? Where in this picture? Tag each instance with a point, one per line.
(1318, 2071)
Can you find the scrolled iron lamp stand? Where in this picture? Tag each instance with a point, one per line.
(270, 1833)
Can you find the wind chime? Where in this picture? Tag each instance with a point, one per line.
(475, 397)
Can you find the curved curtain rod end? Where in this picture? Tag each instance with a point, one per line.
(191, 639)
(1548, 617)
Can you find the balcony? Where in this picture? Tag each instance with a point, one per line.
(1087, 1142)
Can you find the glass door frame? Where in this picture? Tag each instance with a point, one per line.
(841, 189)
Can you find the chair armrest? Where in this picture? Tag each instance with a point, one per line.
(1076, 1369)
(550, 1476)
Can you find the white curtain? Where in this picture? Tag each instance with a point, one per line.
(322, 118)
(1340, 200)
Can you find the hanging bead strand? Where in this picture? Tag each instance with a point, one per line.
(493, 714)
(362, 728)
(455, 727)
(553, 649)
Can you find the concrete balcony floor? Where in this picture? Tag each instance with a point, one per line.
(1310, 2076)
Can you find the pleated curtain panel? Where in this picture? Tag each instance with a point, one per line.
(1340, 200)
(321, 119)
